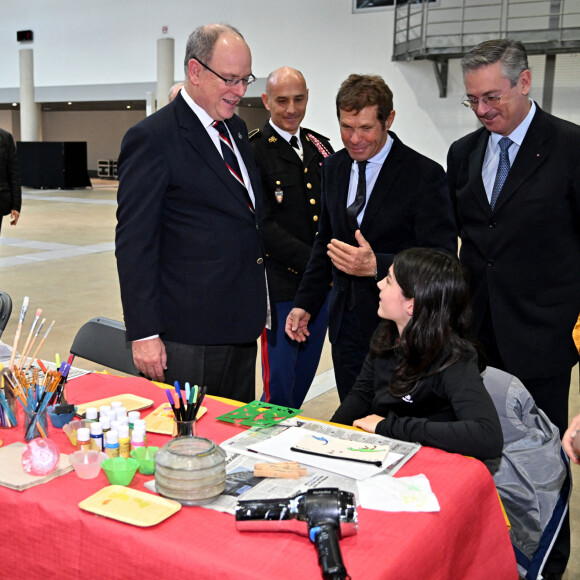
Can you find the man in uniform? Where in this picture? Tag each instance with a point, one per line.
(289, 157)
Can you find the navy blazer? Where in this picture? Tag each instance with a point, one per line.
(189, 250)
(524, 257)
(409, 206)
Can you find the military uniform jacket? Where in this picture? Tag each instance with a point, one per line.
(291, 196)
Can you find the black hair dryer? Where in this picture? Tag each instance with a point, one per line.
(324, 515)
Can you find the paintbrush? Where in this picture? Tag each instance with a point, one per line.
(38, 329)
(18, 330)
(43, 339)
(24, 354)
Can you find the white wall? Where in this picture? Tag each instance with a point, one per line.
(111, 41)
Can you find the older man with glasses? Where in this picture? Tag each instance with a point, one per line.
(189, 243)
(515, 185)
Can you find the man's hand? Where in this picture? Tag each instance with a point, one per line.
(297, 324)
(368, 423)
(355, 261)
(14, 215)
(568, 438)
(150, 358)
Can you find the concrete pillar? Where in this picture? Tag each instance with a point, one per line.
(29, 112)
(165, 69)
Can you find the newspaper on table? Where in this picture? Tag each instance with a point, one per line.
(242, 485)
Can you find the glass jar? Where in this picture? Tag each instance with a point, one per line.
(190, 470)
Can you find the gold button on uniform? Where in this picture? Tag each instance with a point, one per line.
(260, 260)
(306, 170)
(277, 183)
(315, 218)
(312, 201)
(309, 185)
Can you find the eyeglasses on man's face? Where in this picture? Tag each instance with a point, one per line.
(489, 100)
(229, 82)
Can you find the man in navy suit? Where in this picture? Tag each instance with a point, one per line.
(515, 185)
(378, 197)
(188, 241)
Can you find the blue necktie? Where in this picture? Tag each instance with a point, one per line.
(360, 198)
(502, 169)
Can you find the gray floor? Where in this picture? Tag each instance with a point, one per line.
(61, 255)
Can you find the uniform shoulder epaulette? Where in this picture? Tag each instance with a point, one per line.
(253, 133)
(319, 135)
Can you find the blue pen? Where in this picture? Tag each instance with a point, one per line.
(178, 391)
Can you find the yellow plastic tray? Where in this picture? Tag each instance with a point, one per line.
(130, 402)
(130, 506)
(161, 419)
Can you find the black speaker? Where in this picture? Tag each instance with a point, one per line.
(24, 35)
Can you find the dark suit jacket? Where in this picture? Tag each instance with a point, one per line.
(408, 206)
(524, 258)
(290, 225)
(189, 250)
(10, 192)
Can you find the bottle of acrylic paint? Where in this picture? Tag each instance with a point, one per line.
(83, 439)
(96, 436)
(140, 425)
(112, 443)
(124, 441)
(92, 414)
(105, 422)
(133, 415)
(137, 439)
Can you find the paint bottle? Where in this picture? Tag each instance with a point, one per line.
(83, 439)
(112, 443)
(104, 411)
(124, 441)
(105, 422)
(96, 436)
(121, 413)
(137, 439)
(140, 424)
(133, 415)
(91, 414)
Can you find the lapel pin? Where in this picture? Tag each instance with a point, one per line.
(272, 139)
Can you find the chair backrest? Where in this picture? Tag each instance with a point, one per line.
(533, 479)
(103, 341)
(5, 310)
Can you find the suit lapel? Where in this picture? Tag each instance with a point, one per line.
(475, 166)
(308, 148)
(382, 189)
(196, 135)
(285, 150)
(532, 154)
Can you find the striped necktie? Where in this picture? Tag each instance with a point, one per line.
(228, 152)
(502, 169)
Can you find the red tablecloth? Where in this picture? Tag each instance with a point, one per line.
(46, 535)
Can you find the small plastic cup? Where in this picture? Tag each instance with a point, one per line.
(71, 429)
(87, 464)
(60, 420)
(146, 458)
(120, 471)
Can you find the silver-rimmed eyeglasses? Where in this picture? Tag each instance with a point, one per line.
(229, 82)
(489, 100)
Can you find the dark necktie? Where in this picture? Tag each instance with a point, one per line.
(228, 152)
(502, 170)
(294, 142)
(360, 198)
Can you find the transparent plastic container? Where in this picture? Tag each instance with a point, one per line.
(190, 470)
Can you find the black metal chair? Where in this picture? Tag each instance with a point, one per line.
(5, 310)
(102, 340)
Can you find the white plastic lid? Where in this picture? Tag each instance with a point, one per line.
(96, 428)
(138, 436)
(83, 434)
(116, 404)
(91, 413)
(133, 415)
(112, 437)
(105, 421)
(121, 412)
(123, 431)
(139, 424)
(104, 410)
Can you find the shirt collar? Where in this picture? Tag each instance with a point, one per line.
(284, 134)
(205, 119)
(380, 157)
(518, 134)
